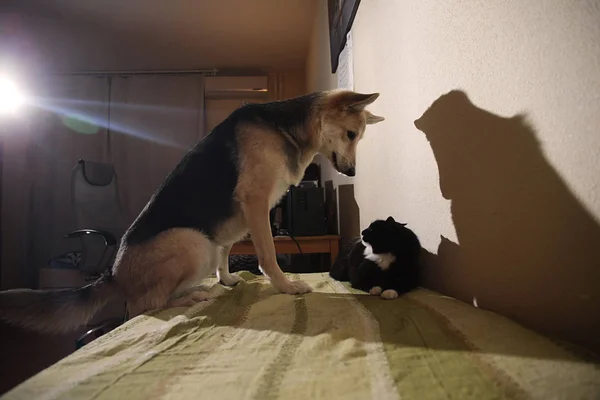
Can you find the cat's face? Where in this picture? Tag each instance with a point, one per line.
(382, 235)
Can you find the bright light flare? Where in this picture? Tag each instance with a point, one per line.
(11, 98)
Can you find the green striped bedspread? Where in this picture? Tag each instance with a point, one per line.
(251, 343)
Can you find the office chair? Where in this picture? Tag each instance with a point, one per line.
(100, 223)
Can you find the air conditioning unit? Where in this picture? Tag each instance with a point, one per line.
(231, 87)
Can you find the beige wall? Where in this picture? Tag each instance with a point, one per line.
(517, 202)
(294, 83)
(318, 65)
(319, 77)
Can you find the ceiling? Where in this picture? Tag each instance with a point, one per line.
(142, 34)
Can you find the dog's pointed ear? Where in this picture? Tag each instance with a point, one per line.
(373, 119)
(390, 219)
(356, 101)
(359, 101)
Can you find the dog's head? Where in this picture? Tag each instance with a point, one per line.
(342, 120)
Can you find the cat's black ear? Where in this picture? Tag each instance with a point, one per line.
(390, 219)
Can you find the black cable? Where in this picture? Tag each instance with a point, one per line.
(281, 232)
(297, 244)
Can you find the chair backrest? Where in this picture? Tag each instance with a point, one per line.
(95, 198)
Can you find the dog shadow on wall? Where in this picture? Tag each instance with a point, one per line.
(528, 248)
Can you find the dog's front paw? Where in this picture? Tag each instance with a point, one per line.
(389, 294)
(230, 279)
(292, 287)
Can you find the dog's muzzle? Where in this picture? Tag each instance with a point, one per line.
(348, 172)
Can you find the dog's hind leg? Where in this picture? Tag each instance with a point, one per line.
(155, 273)
(158, 289)
(190, 299)
(168, 293)
(204, 255)
(225, 277)
(153, 298)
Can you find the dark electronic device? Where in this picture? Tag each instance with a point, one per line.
(304, 211)
(301, 212)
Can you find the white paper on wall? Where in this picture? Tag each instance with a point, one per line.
(345, 71)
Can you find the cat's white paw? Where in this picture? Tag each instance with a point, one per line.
(292, 287)
(375, 291)
(389, 294)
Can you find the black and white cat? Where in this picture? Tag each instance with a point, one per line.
(384, 263)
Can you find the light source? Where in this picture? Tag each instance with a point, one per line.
(11, 97)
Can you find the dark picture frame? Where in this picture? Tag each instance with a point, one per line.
(341, 17)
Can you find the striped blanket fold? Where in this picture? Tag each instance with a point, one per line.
(251, 343)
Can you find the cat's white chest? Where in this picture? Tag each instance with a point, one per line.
(383, 260)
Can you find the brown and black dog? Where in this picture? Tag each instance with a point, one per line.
(222, 189)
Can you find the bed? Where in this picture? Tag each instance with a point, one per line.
(252, 343)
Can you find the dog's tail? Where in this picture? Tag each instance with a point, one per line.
(56, 311)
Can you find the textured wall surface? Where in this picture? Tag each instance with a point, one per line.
(501, 177)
